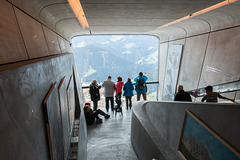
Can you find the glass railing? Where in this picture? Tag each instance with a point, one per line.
(151, 95)
(220, 88)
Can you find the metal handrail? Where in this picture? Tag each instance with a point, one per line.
(148, 82)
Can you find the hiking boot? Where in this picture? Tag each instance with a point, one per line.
(107, 116)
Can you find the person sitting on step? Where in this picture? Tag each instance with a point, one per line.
(91, 115)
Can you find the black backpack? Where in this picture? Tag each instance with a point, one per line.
(140, 84)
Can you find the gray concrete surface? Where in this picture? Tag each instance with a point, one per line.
(147, 142)
(161, 123)
(111, 139)
(208, 59)
(22, 124)
(132, 16)
(222, 61)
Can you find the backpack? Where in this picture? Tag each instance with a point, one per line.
(140, 84)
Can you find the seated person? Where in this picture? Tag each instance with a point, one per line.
(91, 115)
(212, 96)
(182, 95)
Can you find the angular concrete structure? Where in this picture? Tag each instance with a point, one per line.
(36, 51)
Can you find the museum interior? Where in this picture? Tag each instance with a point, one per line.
(41, 95)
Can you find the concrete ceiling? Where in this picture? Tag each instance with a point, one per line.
(131, 16)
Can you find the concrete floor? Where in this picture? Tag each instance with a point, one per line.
(110, 140)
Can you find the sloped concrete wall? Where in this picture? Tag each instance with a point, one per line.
(22, 91)
(23, 38)
(32, 58)
(156, 126)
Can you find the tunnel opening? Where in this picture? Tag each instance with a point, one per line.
(99, 56)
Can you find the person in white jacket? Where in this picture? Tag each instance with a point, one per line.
(109, 88)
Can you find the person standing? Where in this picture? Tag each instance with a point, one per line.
(109, 88)
(141, 87)
(128, 92)
(119, 87)
(182, 95)
(94, 92)
(213, 96)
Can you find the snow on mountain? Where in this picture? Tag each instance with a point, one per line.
(127, 52)
(152, 58)
(129, 45)
(100, 56)
(117, 38)
(82, 44)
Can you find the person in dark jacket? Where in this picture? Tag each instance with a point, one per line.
(128, 92)
(94, 92)
(91, 115)
(182, 95)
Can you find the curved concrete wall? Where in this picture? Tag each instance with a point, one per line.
(218, 19)
(210, 53)
(145, 139)
(156, 126)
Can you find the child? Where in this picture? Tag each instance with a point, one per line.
(212, 96)
(91, 115)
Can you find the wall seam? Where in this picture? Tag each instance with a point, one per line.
(179, 69)
(204, 58)
(20, 32)
(48, 47)
(165, 70)
(158, 70)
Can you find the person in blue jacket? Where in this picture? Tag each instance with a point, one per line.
(141, 87)
(128, 92)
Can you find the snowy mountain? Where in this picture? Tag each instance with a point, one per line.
(100, 56)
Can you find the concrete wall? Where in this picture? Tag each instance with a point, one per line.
(24, 38)
(156, 126)
(22, 124)
(211, 48)
(207, 59)
(32, 58)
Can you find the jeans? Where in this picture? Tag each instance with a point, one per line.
(129, 99)
(99, 111)
(143, 94)
(107, 103)
(95, 105)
